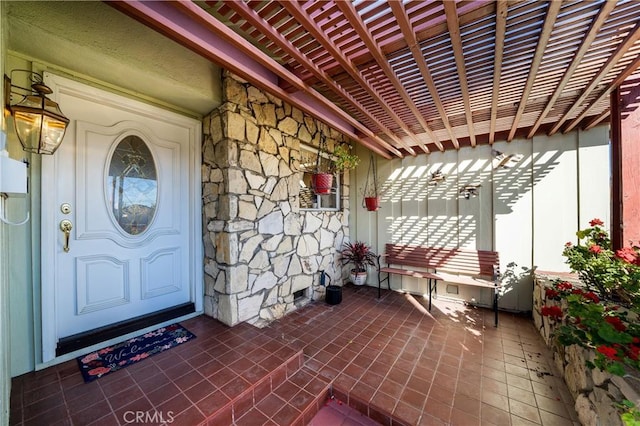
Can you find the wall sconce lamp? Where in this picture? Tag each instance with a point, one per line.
(469, 191)
(437, 177)
(39, 123)
(502, 160)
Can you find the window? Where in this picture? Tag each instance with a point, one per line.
(308, 199)
(132, 185)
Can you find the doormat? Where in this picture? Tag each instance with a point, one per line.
(113, 358)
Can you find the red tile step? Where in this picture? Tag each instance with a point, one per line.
(286, 395)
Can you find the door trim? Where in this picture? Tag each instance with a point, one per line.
(113, 331)
(48, 209)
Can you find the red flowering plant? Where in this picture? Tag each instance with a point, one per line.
(612, 275)
(602, 314)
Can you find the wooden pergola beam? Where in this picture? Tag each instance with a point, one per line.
(547, 28)
(624, 74)
(301, 16)
(410, 36)
(451, 12)
(617, 197)
(255, 20)
(589, 37)
(629, 41)
(597, 120)
(356, 22)
(191, 26)
(501, 29)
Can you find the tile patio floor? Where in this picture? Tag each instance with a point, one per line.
(390, 359)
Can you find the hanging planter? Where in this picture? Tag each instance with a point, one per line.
(322, 183)
(372, 203)
(342, 159)
(372, 189)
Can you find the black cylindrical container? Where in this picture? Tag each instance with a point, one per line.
(334, 294)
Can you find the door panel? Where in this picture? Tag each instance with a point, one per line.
(129, 173)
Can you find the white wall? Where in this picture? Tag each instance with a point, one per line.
(526, 212)
(5, 357)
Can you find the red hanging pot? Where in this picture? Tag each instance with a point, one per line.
(372, 203)
(322, 183)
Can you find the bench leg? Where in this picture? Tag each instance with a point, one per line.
(388, 280)
(432, 287)
(495, 306)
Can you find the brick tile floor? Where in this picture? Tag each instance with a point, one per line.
(389, 359)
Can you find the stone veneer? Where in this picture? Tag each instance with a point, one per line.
(259, 246)
(595, 392)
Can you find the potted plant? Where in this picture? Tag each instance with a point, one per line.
(372, 190)
(322, 179)
(371, 194)
(360, 255)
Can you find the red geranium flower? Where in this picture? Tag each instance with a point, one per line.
(554, 312)
(551, 293)
(634, 351)
(568, 244)
(636, 340)
(592, 296)
(616, 323)
(564, 286)
(577, 291)
(596, 222)
(608, 351)
(627, 254)
(595, 249)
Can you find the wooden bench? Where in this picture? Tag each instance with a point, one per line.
(477, 268)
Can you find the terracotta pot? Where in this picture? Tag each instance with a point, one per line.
(372, 203)
(322, 183)
(359, 277)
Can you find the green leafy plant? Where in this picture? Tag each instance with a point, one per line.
(629, 414)
(344, 159)
(613, 275)
(359, 254)
(602, 315)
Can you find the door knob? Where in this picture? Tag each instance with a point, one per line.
(66, 226)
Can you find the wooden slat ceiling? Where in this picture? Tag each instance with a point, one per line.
(424, 75)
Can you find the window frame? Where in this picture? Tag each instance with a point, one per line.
(318, 199)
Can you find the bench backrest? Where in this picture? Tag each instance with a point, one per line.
(451, 260)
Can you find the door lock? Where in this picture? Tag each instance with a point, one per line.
(66, 226)
(65, 208)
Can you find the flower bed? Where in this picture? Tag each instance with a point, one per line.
(596, 393)
(591, 322)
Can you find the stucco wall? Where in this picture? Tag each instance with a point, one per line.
(5, 360)
(526, 212)
(259, 246)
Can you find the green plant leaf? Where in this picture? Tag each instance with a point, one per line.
(616, 368)
(609, 334)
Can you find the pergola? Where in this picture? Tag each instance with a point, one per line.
(408, 78)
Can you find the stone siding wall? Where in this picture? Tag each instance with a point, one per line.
(595, 392)
(260, 247)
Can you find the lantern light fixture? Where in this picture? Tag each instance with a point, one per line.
(38, 121)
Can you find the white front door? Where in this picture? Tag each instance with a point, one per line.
(125, 181)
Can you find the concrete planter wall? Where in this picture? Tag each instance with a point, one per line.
(595, 392)
(260, 248)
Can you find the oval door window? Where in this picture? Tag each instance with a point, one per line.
(132, 185)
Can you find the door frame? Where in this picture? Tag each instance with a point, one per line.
(49, 166)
